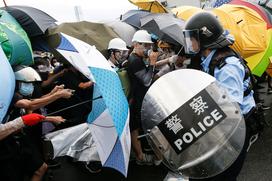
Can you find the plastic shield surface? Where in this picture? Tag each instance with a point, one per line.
(192, 125)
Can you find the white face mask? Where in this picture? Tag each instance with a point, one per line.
(56, 64)
(26, 89)
(44, 68)
(187, 62)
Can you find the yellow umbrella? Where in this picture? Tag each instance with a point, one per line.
(185, 12)
(229, 23)
(153, 6)
(247, 26)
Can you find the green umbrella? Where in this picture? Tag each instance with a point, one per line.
(14, 41)
(97, 34)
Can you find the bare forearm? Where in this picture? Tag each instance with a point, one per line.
(162, 62)
(10, 127)
(43, 101)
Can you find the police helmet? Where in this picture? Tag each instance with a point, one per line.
(203, 30)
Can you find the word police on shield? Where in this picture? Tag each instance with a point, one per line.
(191, 124)
(191, 121)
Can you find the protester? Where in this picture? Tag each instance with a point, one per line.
(18, 123)
(82, 92)
(26, 83)
(49, 74)
(118, 52)
(204, 34)
(141, 73)
(54, 62)
(28, 141)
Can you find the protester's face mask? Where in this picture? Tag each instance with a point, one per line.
(146, 61)
(26, 89)
(187, 62)
(117, 55)
(146, 52)
(56, 64)
(182, 62)
(145, 48)
(124, 55)
(44, 68)
(121, 55)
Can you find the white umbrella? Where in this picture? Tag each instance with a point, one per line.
(109, 118)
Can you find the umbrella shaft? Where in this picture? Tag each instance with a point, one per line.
(84, 102)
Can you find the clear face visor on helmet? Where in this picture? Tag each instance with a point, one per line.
(192, 45)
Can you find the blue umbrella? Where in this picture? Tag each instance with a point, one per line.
(7, 85)
(109, 119)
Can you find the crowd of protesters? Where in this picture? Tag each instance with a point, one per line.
(51, 85)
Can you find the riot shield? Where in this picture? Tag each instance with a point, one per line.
(191, 124)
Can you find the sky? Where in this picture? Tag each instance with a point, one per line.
(90, 10)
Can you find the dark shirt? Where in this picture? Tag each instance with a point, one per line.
(138, 81)
(77, 114)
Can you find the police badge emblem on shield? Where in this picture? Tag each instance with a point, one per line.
(191, 124)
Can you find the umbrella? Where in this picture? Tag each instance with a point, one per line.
(7, 85)
(73, 57)
(80, 144)
(243, 22)
(124, 30)
(268, 13)
(152, 6)
(165, 26)
(34, 21)
(97, 34)
(109, 118)
(185, 12)
(256, 8)
(259, 62)
(14, 41)
(132, 17)
(266, 16)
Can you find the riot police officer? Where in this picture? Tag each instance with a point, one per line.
(204, 35)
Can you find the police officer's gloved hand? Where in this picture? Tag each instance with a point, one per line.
(32, 119)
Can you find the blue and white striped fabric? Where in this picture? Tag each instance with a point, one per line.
(110, 116)
(218, 3)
